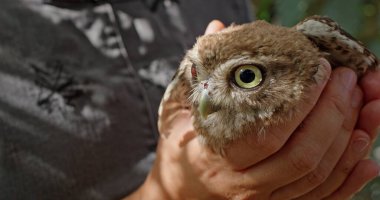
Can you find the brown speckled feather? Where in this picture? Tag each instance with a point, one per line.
(342, 49)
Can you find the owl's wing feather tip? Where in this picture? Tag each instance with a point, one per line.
(343, 49)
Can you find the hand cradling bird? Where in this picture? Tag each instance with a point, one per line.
(249, 77)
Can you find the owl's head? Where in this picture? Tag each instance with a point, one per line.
(248, 77)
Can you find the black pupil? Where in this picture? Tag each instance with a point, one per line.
(247, 76)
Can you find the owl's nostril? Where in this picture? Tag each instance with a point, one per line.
(205, 85)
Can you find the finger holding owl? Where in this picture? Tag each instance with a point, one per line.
(250, 77)
(198, 158)
(219, 179)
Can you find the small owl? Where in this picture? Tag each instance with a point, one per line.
(249, 77)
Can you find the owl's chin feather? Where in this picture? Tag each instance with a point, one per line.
(221, 128)
(224, 127)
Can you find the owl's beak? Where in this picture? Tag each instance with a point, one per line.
(205, 105)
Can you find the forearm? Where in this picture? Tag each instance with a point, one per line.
(151, 189)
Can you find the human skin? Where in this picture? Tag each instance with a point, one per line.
(323, 158)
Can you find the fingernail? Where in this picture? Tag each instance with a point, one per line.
(356, 99)
(210, 27)
(323, 72)
(360, 144)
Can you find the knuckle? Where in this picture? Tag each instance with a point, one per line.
(248, 194)
(318, 194)
(342, 113)
(274, 145)
(338, 106)
(346, 169)
(317, 177)
(271, 145)
(304, 161)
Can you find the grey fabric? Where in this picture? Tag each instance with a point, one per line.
(80, 85)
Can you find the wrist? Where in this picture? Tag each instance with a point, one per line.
(150, 189)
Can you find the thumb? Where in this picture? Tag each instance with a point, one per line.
(214, 26)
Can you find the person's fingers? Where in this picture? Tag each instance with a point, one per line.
(358, 148)
(363, 172)
(214, 26)
(370, 84)
(323, 170)
(369, 119)
(183, 129)
(307, 146)
(246, 152)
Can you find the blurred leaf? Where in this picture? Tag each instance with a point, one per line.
(371, 192)
(264, 9)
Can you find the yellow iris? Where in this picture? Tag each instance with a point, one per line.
(248, 76)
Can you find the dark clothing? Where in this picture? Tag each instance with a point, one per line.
(80, 85)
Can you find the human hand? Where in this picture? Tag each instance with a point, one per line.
(292, 161)
(369, 120)
(367, 128)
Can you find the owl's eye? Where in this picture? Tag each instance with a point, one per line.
(194, 73)
(247, 76)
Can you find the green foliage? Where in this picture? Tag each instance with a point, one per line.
(361, 18)
(290, 12)
(341, 10)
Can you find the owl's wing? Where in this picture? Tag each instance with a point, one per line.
(175, 99)
(340, 47)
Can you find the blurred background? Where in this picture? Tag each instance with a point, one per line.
(361, 18)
